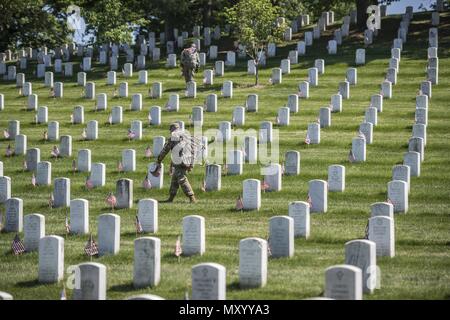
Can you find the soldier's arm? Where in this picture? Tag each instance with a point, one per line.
(165, 150)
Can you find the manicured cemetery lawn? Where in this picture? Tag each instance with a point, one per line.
(421, 267)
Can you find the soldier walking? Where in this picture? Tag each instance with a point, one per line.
(182, 148)
(190, 61)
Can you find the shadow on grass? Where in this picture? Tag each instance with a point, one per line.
(123, 287)
(29, 284)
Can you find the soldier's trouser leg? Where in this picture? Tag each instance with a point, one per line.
(187, 74)
(182, 181)
(173, 186)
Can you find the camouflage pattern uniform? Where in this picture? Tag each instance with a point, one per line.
(179, 178)
(190, 61)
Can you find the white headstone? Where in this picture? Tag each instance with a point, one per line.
(251, 194)
(147, 262)
(208, 282)
(281, 236)
(148, 215)
(51, 259)
(381, 231)
(252, 263)
(44, 173)
(193, 235)
(61, 192)
(34, 230)
(108, 234)
(92, 280)
(13, 215)
(299, 212)
(343, 282)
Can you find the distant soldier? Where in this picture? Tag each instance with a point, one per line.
(190, 61)
(183, 148)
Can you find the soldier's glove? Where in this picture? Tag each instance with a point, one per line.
(156, 170)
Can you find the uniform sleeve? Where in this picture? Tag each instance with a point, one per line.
(166, 149)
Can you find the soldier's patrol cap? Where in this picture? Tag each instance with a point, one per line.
(174, 126)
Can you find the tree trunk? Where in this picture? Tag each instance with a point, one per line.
(168, 29)
(256, 73)
(207, 9)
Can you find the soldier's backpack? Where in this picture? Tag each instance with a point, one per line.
(189, 58)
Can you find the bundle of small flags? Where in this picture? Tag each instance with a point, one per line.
(17, 246)
(91, 248)
(178, 249)
(139, 228)
(111, 200)
(239, 204)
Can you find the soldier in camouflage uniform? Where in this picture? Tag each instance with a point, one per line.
(190, 61)
(179, 178)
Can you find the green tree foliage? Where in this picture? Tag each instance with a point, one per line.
(30, 23)
(255, 25)
(112, 20)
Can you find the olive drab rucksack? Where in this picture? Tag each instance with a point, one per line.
(190, 58)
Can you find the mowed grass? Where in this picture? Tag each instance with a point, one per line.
(421, 267)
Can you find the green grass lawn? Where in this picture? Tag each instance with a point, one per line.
(421, 267)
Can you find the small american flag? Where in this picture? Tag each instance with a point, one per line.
(110, 119)
(225, 169)
(55, 152)
(277, 120)
(318, 120)
(361, 135)
(89, 184)
(91, 248)
(74, 165)
(148, 152)
(309, 200)
(1, 221)
(389, 201)
(25, 165)
(67, 225)
(51, 200)
(71, 118)
(131, 134)
(33, 180)
(111, 200)
(139, 228)
(264, 185)
(168, 107)
(283, 169)
(351, 156)
(120, 166)
(8, 152)
(149, 118)
(45, 136)
(6, 134)
(269, 250)
(307, 139)
(63, 295)
(83, 134)
(146, 184)
(203, 187)
(178, 249)
(239, 204)
(17, 246)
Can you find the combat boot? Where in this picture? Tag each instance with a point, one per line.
(192, 199)
(170, 199)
